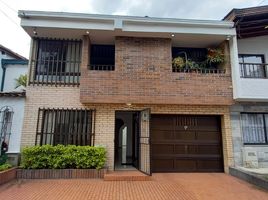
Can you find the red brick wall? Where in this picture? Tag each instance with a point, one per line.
(143, 75)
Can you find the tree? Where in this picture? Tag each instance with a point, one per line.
(21, 81)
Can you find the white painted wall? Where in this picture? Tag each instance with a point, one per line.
(250, 89)
(13, 72)
(17, 103)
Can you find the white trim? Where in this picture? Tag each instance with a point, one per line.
(124, 23)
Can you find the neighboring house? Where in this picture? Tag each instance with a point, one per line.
(109, 80)
(250, 113)
(11, 101)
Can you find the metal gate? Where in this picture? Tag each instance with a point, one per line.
(144, 142)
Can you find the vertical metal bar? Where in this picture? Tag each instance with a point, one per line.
(93, 125)
(43, 126)
(63, 129)
(47, 116)
(48, 62)
(79, 124)
(79, 63)
(37, 126)
(60, 125)
(61, 65)
(65, 50)
(68, 126)
(52, 126)
(265, 129)
(55, 131)
(43, 59)
(84, 132)
(70, 43)
(74, 62)
(57, 65)
(39, 61)
(74, 125)
(77, 121)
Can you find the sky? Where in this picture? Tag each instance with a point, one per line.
(13, 36)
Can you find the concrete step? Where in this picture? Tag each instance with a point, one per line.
(133, 175)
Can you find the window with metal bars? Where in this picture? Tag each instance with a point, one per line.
(6, 116)
(253, 66)
(254, 128)
(56, 62)
(65, 126)
(102, 57)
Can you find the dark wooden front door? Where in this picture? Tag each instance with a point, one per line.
(184, 143)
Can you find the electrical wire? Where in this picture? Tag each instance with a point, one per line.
(14, 10)
(13, 21)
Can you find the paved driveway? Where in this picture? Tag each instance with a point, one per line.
(163, 186)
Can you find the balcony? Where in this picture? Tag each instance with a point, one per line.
(252, 82)
(143, 74)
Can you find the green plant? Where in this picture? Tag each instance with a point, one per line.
(178, 62)
(21, 81)
(215, 55)
(63, 157)
(5, 166)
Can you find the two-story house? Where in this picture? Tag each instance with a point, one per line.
(11, 102)
(250, 113)
(114, 81)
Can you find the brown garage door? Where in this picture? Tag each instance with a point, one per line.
(184, 143)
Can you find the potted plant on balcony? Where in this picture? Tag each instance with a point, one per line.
(215, 56)
(178, 62)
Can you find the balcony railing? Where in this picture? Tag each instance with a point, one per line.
(201, 71)
(253, 70)
(101, 67)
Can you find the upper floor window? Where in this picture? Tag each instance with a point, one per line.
(102, 57)
(254, 128)
(252, 66)
(56, 62)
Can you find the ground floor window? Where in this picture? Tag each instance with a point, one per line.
(254, 128)
(65, 126)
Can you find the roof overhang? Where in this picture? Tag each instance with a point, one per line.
(104, 28)
(250, 22)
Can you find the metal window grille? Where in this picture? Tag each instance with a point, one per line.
(56, 62)
(6, 116)
(65, 126)
(254, 128)
(253, 70)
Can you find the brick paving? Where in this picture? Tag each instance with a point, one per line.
(188, 186)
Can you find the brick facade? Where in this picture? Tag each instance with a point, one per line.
(68, 97)
(143, 74)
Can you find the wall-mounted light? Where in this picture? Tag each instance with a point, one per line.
(128, 104)
(34, 31)
(228, 37)
(266, 27)
(87, 32)
(172, 35)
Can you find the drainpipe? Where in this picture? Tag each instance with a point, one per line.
(3, 75)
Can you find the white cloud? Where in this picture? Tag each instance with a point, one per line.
(13, 36)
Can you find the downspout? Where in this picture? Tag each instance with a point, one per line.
(3, 75)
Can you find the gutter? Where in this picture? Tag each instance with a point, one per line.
(4, 63)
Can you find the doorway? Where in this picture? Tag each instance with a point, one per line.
(127, 126)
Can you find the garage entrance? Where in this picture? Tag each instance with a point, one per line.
(186, 143)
